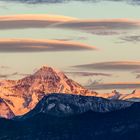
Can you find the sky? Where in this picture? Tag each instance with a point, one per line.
(96, 43)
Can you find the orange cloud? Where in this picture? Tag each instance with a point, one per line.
(43, 17)
(94, 26)
(117, 85)
(111, 65)
(87, 74)
(31, 21)
(32, 45)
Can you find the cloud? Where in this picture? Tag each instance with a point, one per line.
(87, 74)
(30, 45)
(98, 27)
(106, 86)
(8, 75)
(138, 76)
(134, 2)
(71, 38)
(133, 38)
(31, 21)
(5, 76)
(112, 65)
(4, 67)
(136, 71)
(38, 1)
(102, 27)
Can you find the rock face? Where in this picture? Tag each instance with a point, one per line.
(48, 80)
(5, 111)
(66, 105)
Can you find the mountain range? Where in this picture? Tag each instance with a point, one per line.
(49, 105)
(17, 97)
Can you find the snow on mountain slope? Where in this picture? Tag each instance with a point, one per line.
(65, 105)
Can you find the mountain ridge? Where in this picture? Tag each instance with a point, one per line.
(23, 95)
(118, 125)
(62, 105)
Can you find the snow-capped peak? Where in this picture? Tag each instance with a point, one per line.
(25, 93)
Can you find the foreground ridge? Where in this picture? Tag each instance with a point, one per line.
(61, 105)
(67, 117)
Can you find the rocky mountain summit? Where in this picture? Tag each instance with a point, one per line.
(22, 95)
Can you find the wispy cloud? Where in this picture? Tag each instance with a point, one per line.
(132, 38)
(62, 1)
(101, 27)
(111, 65)
(138, 76)
(30, 45)
(71, 38)
(87, 74)
(98, 27)
(106, 86)
(5, 76)
(136, 71)
(31, 21)
(4, 67)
